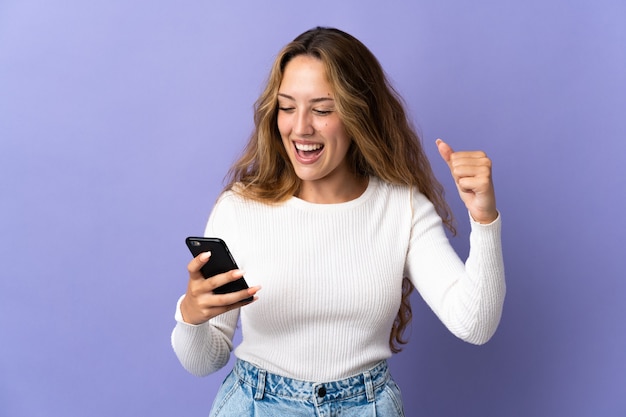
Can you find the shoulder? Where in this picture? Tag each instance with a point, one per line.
(230, 211)
(400, 193)
(233, 196)
(228, 197)
(403, 199)
(234, 200)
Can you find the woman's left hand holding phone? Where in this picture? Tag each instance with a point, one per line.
(200, 303)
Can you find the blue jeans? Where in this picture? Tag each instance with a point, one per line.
(251, 391)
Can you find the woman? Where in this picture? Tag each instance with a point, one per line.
(334, 210)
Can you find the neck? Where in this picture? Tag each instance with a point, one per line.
(328, 191)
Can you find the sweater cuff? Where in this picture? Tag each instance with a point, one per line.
(474, 223)
(178, 315)
(189, 332)
(487, 235)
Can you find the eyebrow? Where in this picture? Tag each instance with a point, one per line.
(313, 100)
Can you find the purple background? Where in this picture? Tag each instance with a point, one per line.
(118, 120)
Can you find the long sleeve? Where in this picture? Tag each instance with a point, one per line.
(468, 298)
(204, 348)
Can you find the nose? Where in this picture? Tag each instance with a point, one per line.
(303, 125)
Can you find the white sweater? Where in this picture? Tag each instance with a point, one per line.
(331, 277)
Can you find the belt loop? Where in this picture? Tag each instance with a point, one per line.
(260, 385)
(369, 386)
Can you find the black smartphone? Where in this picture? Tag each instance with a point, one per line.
(220, 261)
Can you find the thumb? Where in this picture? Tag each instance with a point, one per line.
(444, 150)
(196, 264)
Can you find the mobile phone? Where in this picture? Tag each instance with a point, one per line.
(220, 261)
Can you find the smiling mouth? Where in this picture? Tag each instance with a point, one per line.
(309, 150)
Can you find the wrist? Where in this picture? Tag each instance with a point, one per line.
(185, 313)
(485, 218)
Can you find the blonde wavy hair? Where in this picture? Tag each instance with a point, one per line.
(384, 142)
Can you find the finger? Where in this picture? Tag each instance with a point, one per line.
(246, 301)
(469, 170)
(470, 157)
(464, 164)
(444, 150)
(216, 304)
(216, 311)
(196, 264)
(235, 298)
(216, 281)
(474, 184)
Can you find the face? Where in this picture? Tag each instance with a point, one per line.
(312, 132)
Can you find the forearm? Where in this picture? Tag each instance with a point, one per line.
(201, 349)
(483, 289)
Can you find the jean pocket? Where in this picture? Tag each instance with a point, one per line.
(228, 389)
(395, 397)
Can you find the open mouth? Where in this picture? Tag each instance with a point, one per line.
(308, 151)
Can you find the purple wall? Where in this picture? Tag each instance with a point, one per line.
(119, 119)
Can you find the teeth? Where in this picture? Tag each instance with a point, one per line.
(308, 147)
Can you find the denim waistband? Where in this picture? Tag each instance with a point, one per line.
(262, 381)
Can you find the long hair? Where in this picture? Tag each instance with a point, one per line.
(384, 142)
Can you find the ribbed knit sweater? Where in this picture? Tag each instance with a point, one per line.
(331, 277)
